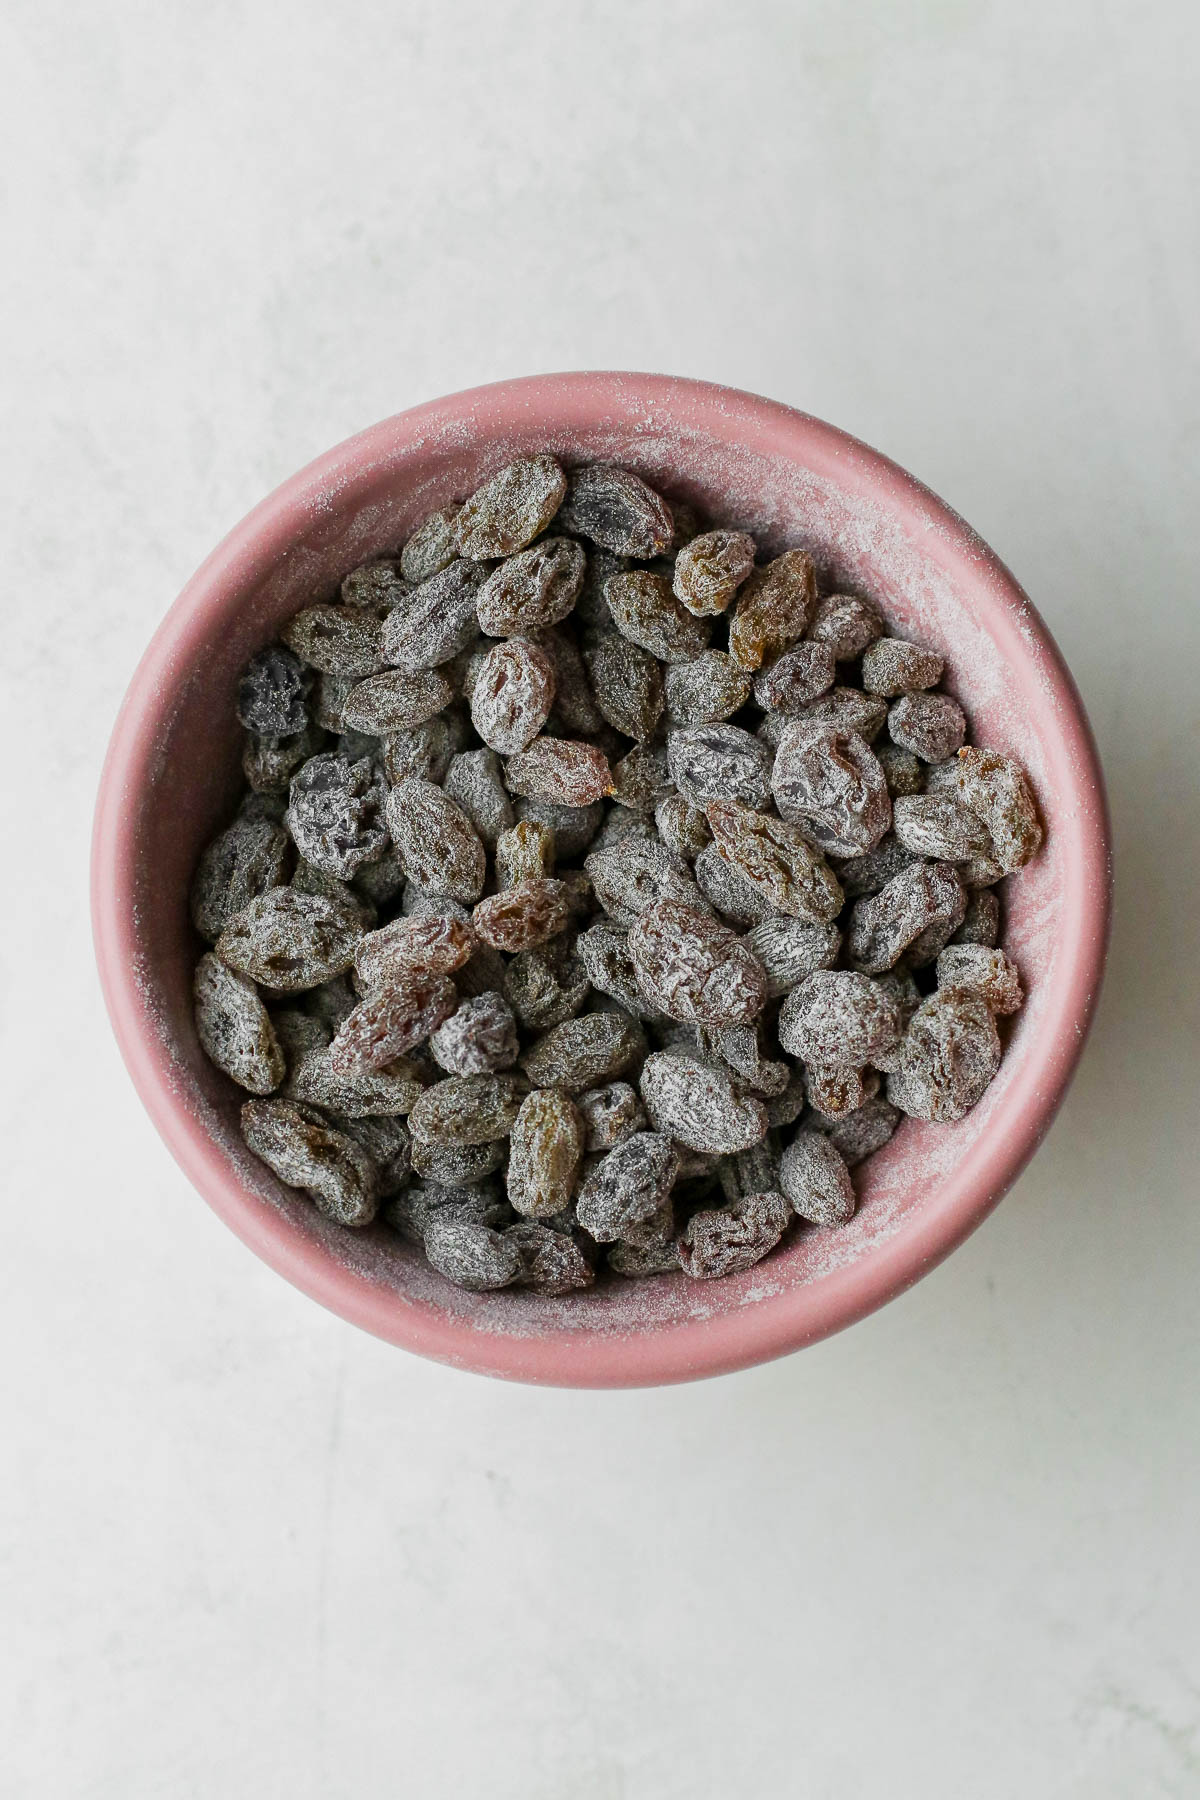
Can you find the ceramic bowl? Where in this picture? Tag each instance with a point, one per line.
(172, 775)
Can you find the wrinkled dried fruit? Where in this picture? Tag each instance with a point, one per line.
(617, 510)
(335, 814)
(546, 1147)
(425, 752)
(289, 941)
(727, 890)
(727, 1240)
(949, 1055)
(306, 1152)
(795, 678)
(551, 1262)
(457, 1165)
(627, 1187)
(433, 622)
(720, 762)
(467, 1109)
(816, 1180)
(682, 826)
(862, 1132)
(524, 853)
(706, 691)
(632, 877)
(522, 916)
(512, 695)
(790, 949)
(368, 1093)
(337, 640)
(775, 858)
(932, 726)
(697, 1103)
(610, 1114)
(645, 611)
(511, 509)
(773, 609)
(981, 921)
(574, 827)
(604, 952)
(627, 683)
(829, 784)
(847, 709)
(939, 827)
(271, 693)
(883, 925)
(475, 781)
(376, 585)
(903, 771)
(269, 763)
(561, 771)
(441, 848)
(695, 968)
(395, 701)
(435, 944)
(892, 667)
(545, 986)
(469, 1254)
(838, 1093)
(234, 1027)
(839, 1020)
(984, 971)
(710, 569)
(846, 624)
(532, 591)
(243, 861)
(431, 548)
(997, 789)
(584, 1052)
(391, 1022)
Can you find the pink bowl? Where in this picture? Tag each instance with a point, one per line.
(172, 773)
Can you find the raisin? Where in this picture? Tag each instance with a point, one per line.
(467, 1109)
(785, 1108)
(388, 1142)
(846, 624)
(743, 1049)
(984, 971)
(793, 679)
(720, 762)
(547, 985)
(511, 509)
(604, 951)
(524, 853)
(981, 921)
(532, 591)
(376, 586)
(584, 1052)
(694, 967)
(752, 1171)
(433, 622)
(436, 944)
(574, 827)
(862, 1132)
(839, 1020)
(816, 1181)
(431, 547)
(560, 770)
(329, 697)
(939, 827)
(867, 873)
(390, 1022)
(789, 949)
(706, 691)
(545, 1151)
(932, 726)
(395, 701)
(336, 814)
(642, 778)
(288, 941)
(628, 685)
(997, 790)
(617, 510)
(469, 1254)
(475, 780)
(727, 890)
(308, 880)
(298, 1032)
(645, 611)
(234, 1027)
(477, 1039)
(551, 1262)
(848, 709)
(575, 705)
(306, 1152)
(698, 1103)
(425, 752)
(950, 1053)
(903, 771)
(367, 1093)
(631, 877)
(412, 1211)
(625, 829)
(682, 826)
(269, 763)
(457, 1165)
(627, 1187)
(441, 848)
(272, 692)
(637, 1260)
(727, 1240)
(337, 640)
(512, 695)
(829, 784)
(774, 857)
(243, 861)
(610, 1114)
(892, 667)
(711, 568)
(838, 1093)
(773, 609)
(520, 917)
(883, 925)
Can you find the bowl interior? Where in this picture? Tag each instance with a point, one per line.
(174, 774)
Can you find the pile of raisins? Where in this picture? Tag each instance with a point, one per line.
(601, 895)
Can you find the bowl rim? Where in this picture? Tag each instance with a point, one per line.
(694, 1347)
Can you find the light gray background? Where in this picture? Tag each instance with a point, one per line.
(248, 1552)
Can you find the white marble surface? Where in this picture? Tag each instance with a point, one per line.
(248, 1552)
